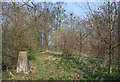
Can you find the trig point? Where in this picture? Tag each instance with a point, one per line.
(23, 63)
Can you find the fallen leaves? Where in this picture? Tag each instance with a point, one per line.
(33, 69)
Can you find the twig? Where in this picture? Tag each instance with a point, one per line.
(12, 75)
(23, 4)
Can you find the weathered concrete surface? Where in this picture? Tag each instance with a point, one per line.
(23, 63)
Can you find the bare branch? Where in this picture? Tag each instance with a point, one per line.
(30, 6)
(23, 4)
(116, 46)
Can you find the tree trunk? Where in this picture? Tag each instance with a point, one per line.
(111, 42)
(45, 39)
(80, 42)
(41, 40)
(23, 63)
(118, 36)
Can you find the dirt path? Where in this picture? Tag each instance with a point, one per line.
(59, 53)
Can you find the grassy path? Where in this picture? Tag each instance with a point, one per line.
(52, 66)
(48, 66)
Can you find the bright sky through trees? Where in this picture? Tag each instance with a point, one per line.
(78, 7)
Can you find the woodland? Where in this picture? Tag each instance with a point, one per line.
(61, 45)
